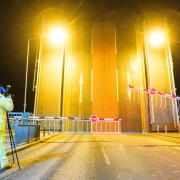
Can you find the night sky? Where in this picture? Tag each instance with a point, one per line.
(20, 20)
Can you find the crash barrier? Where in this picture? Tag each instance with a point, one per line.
(23, 128)
(162, 102)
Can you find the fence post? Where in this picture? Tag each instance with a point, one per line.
(44, 132)
(54, 126)
(110, 125)
(82, 124)
(119, 126)
(49, 129)
(28, 132)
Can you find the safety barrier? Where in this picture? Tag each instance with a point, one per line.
(161, 100)
(168, 104)
(26, 127)
(79, 125)
(50, 125)
(106, 126)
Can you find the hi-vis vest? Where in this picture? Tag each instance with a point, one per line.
(6, 104)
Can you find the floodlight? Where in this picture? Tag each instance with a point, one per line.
(157, 38)
(58, 35)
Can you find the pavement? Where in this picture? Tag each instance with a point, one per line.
(33, 142)
(100, 157)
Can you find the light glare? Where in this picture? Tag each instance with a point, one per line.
(58, 36)
(157, 38)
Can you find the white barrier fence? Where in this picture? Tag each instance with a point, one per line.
(158, 101)
(161, 100)
(74, 125)
(82, 125)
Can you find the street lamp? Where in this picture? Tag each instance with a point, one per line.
(26, 74)
(151, 39)
(156, 38)
(58, 36)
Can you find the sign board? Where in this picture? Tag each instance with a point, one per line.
(93, 118)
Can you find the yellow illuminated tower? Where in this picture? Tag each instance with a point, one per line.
(156, 67)
(89, 75)
(104, 90)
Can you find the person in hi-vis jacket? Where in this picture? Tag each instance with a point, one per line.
(6, 104)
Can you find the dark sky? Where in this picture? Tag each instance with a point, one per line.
(19, 21)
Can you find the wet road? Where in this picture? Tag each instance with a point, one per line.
(100, 157)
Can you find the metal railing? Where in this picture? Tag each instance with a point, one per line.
(27, 128)
(23, 128)
(80, 125)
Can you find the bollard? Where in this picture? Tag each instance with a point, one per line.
(165, 128)
(157, 128)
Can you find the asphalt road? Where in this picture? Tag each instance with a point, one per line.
(100, 157)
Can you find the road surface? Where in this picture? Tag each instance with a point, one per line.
(100, 157)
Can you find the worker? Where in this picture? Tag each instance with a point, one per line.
(6, 104)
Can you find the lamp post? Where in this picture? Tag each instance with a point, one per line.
(58, 36)
(26, 73)
(62, 83)
(36, 76)
(157, 39)
(154, 39)
(26, 76)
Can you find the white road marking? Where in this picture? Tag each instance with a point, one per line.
(105, 156)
